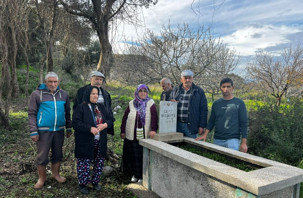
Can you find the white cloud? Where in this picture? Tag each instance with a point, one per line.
(251, 38)
(234, 21)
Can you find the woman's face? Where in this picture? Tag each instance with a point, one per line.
(142, 94)
(94, 96)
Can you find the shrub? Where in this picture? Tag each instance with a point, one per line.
(277, 132)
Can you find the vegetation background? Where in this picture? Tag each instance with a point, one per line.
(274, 133)
(71, 37)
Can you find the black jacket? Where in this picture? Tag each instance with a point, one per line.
(107, 103)
(84, 140)
(197, 111)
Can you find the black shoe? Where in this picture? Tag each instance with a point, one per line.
(84, 189)
(97, 187)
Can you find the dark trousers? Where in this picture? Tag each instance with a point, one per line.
(49, 140)
(132, 158)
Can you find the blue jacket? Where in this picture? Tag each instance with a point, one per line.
(197, 112)
(48, 111)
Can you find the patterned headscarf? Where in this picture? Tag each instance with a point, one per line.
(140, 104)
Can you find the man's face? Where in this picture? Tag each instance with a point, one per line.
(52, 83)
(165, 86)
(226, 89)
(96, 81)
(187, 81)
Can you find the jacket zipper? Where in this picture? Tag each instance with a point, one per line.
(55, 103)
(40, 117)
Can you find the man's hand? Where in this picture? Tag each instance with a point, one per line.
(200, 131)
(152, 134)
(68, 134)
(35, 138)
(122, 135)
(243, 146)
(203, 136)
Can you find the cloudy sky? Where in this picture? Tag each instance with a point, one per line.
(244, 25)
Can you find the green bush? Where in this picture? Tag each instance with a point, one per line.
(33, 79)
(277, 132)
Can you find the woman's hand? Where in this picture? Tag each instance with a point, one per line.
(94, 130)
(101, 127)
(152, 134)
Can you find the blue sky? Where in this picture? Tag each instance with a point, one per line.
(244, 25)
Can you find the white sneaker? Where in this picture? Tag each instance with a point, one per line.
(134, 179)
(139, 180)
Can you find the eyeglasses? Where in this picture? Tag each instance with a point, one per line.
(142, 90)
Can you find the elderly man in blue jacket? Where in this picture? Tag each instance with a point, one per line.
(49, 116)
(192, 106)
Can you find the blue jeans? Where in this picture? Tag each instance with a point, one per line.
(230, 143)
(183, 127)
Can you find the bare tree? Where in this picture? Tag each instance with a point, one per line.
(174, 49)
(47, 12)
(277, 74)
(224, 64)
(99, 13)
(11, 29)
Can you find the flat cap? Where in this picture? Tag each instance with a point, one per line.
(187, 72)
(96, 73)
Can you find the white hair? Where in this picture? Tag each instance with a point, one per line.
(166, 81)
(50, 75)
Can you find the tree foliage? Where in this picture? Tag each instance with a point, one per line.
(99, 13)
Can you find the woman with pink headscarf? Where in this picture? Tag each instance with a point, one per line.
(140, 121)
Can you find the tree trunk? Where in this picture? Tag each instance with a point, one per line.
(14, 82)
(5, 87)
(4, 119)
(49, 55)
(106, 55)
(279, 101)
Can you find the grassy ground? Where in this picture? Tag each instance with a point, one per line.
(18, 152)
(17, 156)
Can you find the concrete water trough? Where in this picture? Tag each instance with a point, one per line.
(170, 171)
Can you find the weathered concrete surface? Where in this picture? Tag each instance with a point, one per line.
(173, 172)
(140, 191)
(169, 137)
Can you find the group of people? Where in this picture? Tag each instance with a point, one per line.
(49, 119)
(228, 114)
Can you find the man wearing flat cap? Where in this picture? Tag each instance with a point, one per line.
(192, 106)
(96, 79)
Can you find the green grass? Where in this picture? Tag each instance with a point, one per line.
(17, 152)
(239, 164)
